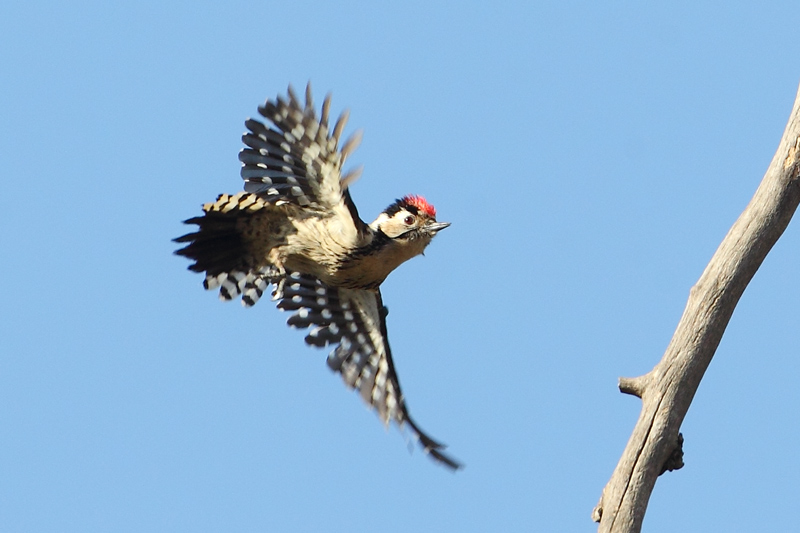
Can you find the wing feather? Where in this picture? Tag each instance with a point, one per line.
(354, 320)
(297, 160)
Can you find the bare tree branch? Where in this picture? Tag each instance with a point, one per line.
(668, 389)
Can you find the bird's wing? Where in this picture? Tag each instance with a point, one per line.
(298, 161)
(354, 320)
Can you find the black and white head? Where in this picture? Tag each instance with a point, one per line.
(409, 221)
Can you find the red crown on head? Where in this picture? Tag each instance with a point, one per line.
(420, 203)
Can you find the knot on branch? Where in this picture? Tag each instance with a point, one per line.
(633, 386)
(597, 512)
(675, 459)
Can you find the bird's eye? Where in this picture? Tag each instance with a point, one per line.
(409, 220)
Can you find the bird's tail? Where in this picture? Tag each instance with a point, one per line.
(223, 247)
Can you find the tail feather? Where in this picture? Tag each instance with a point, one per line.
(219, 248)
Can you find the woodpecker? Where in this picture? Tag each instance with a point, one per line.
(295, 228)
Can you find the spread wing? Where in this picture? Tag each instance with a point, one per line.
(354, 320)
(297, 161)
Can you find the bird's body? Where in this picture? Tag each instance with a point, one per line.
(297, 228)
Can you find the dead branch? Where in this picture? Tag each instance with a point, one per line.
(668, 389)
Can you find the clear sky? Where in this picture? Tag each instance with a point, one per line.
(590, 156)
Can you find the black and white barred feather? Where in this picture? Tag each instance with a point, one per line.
(354, 321)
(298, 162)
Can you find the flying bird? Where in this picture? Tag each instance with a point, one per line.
(295, 228)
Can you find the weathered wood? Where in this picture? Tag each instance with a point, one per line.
(668, 389)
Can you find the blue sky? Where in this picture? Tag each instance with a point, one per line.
(590, 158)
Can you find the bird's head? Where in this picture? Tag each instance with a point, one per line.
(409, 221)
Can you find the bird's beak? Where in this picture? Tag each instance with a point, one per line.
(434, 227)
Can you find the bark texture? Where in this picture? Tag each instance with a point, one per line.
(668, 389)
